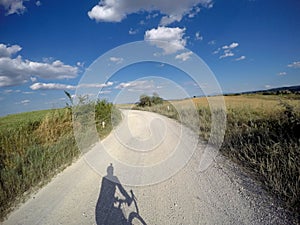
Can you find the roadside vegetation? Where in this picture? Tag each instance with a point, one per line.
(262, 135)
(34, 146)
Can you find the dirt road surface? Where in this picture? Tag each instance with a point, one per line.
(166, 182)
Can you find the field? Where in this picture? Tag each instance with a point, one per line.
(262, 135)
(35, 146)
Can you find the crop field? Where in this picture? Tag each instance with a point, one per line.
(34, 146)
(262, 136)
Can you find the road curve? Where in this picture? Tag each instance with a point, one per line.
(143, 150)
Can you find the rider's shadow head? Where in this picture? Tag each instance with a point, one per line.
(110, 170)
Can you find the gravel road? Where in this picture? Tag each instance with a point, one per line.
(158, 160)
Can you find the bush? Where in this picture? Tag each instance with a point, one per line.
(146, 100)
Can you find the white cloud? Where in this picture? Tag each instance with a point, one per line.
(13, 6)
(96, 85)
(58, 86)
(240, 58)
(184, 56)
(268, 86)
(80, 64)
(226, 54)
(282, 73)
(294, 65)
(169, 39)
(173, 10)
(15, 71)
(51, 86)
(8, 51)
(166, 20)
(38, 3)
(132, 31)
(105, 92)
(116, 60)
(132, 84)
(194, 12)
(150, 16)
(227, 51)
(231, 46)
(142, 86)
(198, 36)
(23, 102)
(217, 51)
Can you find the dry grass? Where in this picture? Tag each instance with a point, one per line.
(262, 135)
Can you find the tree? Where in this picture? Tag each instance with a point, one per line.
(155, 99)
(146, 100)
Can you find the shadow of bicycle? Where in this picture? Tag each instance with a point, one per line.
(109, 207)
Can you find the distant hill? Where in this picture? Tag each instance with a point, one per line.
(279, 90)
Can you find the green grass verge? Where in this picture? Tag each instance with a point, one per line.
(34, 146)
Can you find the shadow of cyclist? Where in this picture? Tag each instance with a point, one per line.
(106, 213)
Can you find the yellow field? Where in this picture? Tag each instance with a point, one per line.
(267, 103)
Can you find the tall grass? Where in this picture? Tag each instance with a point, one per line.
(36, 146)
(263, 136)
(269, 147)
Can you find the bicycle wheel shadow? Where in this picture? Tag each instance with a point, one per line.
(106, 212)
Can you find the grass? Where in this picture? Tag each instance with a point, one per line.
(34, 146)
(262, 135)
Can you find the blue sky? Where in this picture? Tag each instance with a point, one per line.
(47, 46)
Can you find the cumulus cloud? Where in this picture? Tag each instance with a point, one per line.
(13, 6)
(8, 51)
(51, 86)
(138, 85)
(231, 46)
(184, 56)
(116, 60)
(294, 65)
(58, 86)
(15, 71)
(226, 54)
(169, 39)
(173, 10)
(240, 58)
(227, 51)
